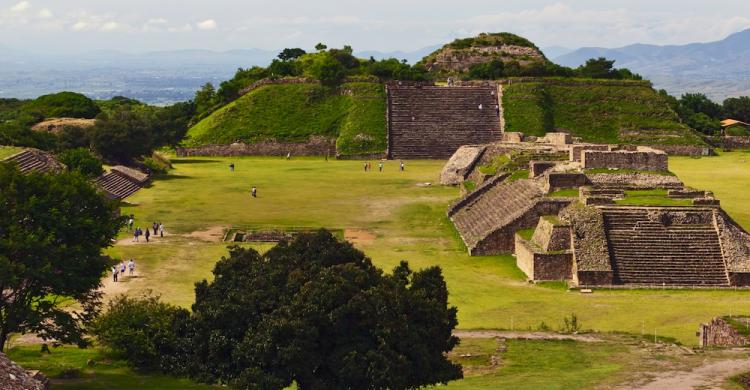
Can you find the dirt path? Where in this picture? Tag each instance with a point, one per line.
(359, 236)
(212, 234)
(486, 334)
(710, 375)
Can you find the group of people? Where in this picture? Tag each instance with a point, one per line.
(157, 228)
(120, 269)
(368, 166)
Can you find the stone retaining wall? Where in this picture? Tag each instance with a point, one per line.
(736, 142)
(542, 266)
(640, 160)
(719, 332)
(684, 150)
(315, 146)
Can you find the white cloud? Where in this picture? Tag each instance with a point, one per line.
(109, 26)
(208, 24)
(79, 26)
(20, 7)
(157, 21)
(184, 28)
(45, 13)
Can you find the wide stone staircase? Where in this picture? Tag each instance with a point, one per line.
(497, 207)
(431, 122)
(647, 251)
(32, 160)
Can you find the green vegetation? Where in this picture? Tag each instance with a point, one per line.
(567, 192)
(607, 170)
(518, 175)
(657, 197)
(355, 113)
(526, 234)
(603, 111)
(705, 115)
(69, 369)
(491, 39)
(740, 324)
(469, 185)
(539, 364)
(7, 151)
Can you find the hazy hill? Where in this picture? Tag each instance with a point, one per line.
(719, 69)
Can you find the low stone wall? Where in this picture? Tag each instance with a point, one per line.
(720, 333)
(593, 278)
(736, 142)
(537, 168)
(590, 249)
(460, 164)
(550, 237)
(684, 150)
(633, 180)
(641, 160)
(735, 246)
(558, 180)
(366, 156)
(576, 151)
(542, 266)
(315, 146)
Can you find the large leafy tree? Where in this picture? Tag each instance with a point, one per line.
(315, 311)
(82, 161)
(52, 231)
(738, 108)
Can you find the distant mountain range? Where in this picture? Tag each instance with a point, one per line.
(719, 69)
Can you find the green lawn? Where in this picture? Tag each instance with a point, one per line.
(68, 369)
(6, 151)
(656, 197)
(408, 222)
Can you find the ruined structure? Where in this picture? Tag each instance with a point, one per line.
(121, 181)
(428, 121)
(34, 160)
(573, 218)
(724, 332)
(13, 377)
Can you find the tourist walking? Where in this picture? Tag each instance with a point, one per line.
(231, 167)
(147, 234)
(380, 166)
(402, 166)
(161, 230)
(131, 266)
(114, 273)
(122, 268)
(289, 155)
(156, 227)
(130, 222)
(254, 192)
(365, 167)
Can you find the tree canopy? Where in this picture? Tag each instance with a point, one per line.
(52, 231)
(315, 312)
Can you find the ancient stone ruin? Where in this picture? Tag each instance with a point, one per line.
(426, 121)
(13, 377)
(725, 332)
(121, 181)
(565, 210)
(34, 160)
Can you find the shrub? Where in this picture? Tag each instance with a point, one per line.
(141, 329)
(738, 131)
(82, 161)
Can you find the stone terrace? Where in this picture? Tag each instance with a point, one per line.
(121, 182)
(427, 121)
(33, 160)
(672, 246)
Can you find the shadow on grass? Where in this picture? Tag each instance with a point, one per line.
(192, 161)
(167, 177)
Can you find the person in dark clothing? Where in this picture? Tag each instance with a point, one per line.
(231, 167)
(254, 192)
(147, 234)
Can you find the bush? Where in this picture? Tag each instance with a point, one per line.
(141, 329)
(328, 70)
(64, 104)
(82, 161)
(740, 131)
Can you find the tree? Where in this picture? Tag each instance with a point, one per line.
(291, 54)
(314, 311)
(328, 70)
(738, 108)
(141, 329)
(64, 104)
(700, 103)
(205, 99)
(122, 136)
(320, 46)
(599, 68)
(52, 231)
(492, 70)
(82, 161)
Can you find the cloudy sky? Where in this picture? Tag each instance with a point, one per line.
(144, 25)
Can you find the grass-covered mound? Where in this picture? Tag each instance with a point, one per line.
(602, 111)
(353, 113)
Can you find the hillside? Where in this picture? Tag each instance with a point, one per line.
(354, 114)
(595, 110)
(718, 68)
